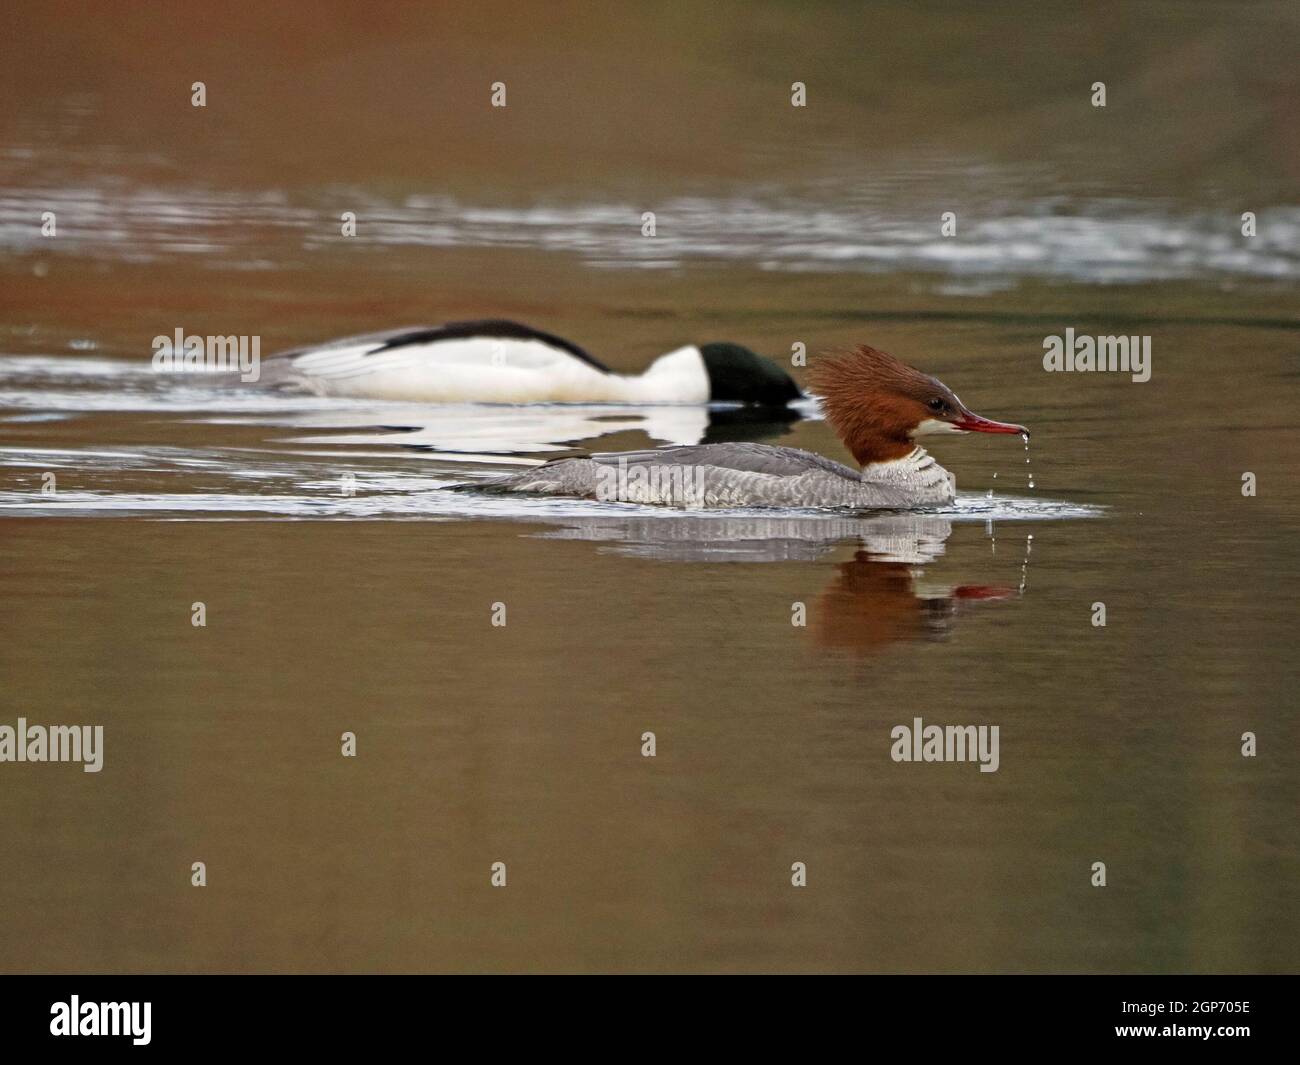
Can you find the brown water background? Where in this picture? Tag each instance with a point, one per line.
(521, 744)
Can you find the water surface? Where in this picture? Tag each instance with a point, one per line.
(346, 590)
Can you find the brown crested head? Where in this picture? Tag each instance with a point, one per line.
(879, 405)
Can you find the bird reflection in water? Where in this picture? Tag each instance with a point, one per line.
(484, 429)
(873, 602)
(882, 595)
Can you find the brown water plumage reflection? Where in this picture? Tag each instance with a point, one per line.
(872, 603)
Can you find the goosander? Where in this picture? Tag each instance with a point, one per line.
(498, 361)
(876, 404)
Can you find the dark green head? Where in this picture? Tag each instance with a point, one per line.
(737, 375)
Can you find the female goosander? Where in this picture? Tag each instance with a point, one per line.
(876, 404)
(497, 361)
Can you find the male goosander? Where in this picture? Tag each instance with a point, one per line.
(497, 361)
(877, 405)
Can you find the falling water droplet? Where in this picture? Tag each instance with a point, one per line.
(1024, 566)
(1030, 473)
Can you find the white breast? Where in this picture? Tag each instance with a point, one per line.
(916, 473)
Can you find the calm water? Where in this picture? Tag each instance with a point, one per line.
(345, 590)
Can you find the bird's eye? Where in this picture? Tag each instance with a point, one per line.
(937, 404)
